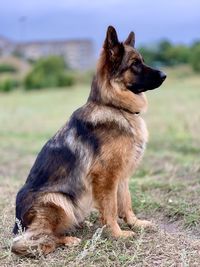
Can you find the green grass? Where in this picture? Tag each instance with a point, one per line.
(165, 188)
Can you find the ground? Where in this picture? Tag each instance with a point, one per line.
(165, 189)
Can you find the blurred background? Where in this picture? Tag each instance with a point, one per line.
(35, 36)
(48, 52)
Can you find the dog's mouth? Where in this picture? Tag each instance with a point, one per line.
(148, 84)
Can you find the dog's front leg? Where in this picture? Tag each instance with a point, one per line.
(125, 207)
(106, 199)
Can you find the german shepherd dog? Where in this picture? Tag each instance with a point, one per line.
(88, 162)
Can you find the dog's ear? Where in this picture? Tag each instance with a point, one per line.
(130, 39)
(111, 38)
(111, 43)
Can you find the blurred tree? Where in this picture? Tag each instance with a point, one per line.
(8, 84)
(166, 54)
(148, 54)
(195, 43)
(195, 57)
(162, 52)
(7, 68)
(179, 54)
(48, 72)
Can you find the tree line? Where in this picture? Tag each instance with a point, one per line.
(167, 54)
(53, 71)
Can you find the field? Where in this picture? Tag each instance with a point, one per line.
(165, 189)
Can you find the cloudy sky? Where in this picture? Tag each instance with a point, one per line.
(177, 20)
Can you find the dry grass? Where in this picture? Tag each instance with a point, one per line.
(166, 188)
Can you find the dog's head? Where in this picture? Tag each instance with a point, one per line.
(124, 65)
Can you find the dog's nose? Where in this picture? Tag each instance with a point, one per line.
(162, 75)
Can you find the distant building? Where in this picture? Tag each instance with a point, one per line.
(6, 46)
(79, 54)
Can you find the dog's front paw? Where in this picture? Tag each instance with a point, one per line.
(124, 234)
(142, 224)
(71, 241)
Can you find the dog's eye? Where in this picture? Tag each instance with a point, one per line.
(136, 62)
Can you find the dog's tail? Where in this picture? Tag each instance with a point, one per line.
(32, 245)
(29, 244)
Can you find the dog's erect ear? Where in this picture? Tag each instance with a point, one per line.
(112, 46)
(130, 39)
(111, 38)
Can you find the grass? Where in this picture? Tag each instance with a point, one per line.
(165, 188)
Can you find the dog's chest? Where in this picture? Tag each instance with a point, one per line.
(138, 141)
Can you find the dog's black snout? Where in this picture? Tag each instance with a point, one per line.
(162, 75)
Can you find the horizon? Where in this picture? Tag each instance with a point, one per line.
(176, 21)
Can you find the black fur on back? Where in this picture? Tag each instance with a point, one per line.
(60, 166)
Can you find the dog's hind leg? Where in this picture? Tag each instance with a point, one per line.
(68, 241)
(48, 227)
(125, 207)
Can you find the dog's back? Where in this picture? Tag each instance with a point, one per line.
(88, 162)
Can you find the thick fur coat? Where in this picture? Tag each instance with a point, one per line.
(89, 161)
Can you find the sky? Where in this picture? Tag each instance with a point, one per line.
(151, 20)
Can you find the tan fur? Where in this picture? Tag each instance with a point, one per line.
(61, 201)
(120, 97)
(111, 115)
(53, 215)
(32, 243)
(118, 160)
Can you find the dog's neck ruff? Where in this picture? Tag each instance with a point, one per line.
(123, 109)
(130, 112)
(96, 97)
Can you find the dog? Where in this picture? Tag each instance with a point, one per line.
(88, 162)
